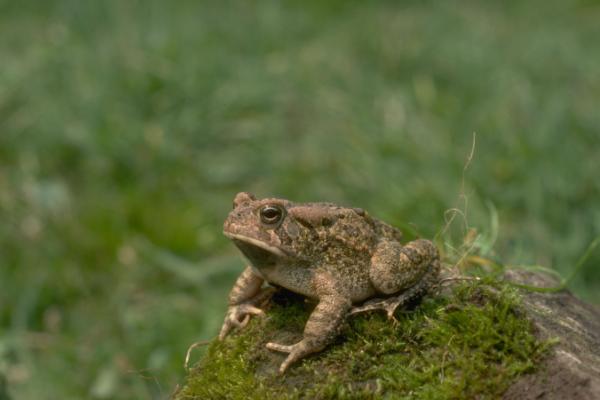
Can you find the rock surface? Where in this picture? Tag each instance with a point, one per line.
(472, 341)
(572, 370)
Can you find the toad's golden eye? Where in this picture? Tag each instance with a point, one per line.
(271, 214)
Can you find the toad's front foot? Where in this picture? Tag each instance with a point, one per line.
(238, 317)
(296, 351)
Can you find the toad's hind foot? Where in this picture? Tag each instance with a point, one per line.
(391, 304)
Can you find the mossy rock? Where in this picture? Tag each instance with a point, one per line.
(471, 342)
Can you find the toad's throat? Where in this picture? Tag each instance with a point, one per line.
(259, 254)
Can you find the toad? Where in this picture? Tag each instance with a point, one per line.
(338, 256)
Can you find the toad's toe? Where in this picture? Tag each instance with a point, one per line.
(279, 347)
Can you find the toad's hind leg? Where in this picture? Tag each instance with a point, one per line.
(395, 267)
(408, 271)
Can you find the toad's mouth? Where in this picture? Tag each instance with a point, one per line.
(258, 253)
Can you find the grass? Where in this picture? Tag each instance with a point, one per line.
(126, 128)
(470, 344)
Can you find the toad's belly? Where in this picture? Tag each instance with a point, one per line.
(299, 279)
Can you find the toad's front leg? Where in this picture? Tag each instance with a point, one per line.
(323, 325)
(243, 300)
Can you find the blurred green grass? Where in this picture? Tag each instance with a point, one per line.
(126, 128)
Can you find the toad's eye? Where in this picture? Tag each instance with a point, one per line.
(271, 215)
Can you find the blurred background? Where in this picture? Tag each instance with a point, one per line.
(127, 127)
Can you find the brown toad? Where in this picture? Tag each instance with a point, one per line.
(336, 255)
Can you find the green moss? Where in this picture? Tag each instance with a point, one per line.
(224, 373)
(470, 343)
